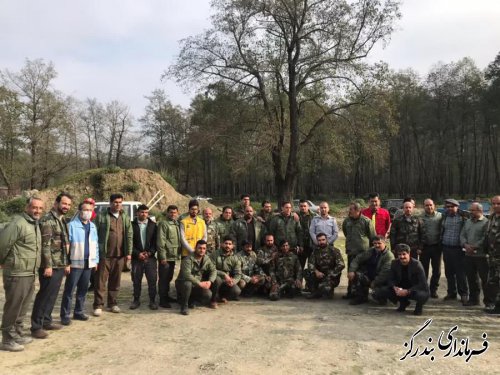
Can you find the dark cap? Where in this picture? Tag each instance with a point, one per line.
(452, 201)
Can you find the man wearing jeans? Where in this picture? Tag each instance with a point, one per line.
(83, 257)
(453, 255)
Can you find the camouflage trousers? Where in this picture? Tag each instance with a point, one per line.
(493, 282)
(361, 288)
(283, 289)
(248, 289)
(321, 287)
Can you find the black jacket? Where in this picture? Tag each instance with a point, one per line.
(416, 275)
(150, 239)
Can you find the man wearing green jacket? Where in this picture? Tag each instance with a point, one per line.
(284, 227)
(358, 231)
(195, 282)
(370, 270)
(114, 231)
(20, 257)
(168, 243)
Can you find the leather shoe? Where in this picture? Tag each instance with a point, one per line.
(82, 317)
(471, 303)
(450, 298)
(153, 306)
(52, 327)
(402, 306)
(65, 321)
(134, 305)
(184, 311)
(214, 305)
(165, 305)
(39, 334)
(434, 295)
(464, 300)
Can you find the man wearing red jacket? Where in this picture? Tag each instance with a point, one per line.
(379, 216)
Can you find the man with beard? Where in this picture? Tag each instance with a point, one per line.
(252, 276)
(305, 216)
(224, 222)
(265, 257)
(212, 231)
(284, 227)
(195, 282)
(324, 268)
(228, 273)
(431, 241)
(20, 257)
(248, 229)
(286, 274)
(55, 258)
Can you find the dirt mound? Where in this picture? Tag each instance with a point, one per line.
(135, 185)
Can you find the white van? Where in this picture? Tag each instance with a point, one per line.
(130, 207)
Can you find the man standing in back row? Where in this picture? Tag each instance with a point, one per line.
(379, 216)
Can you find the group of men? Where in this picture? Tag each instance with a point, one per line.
(241, 253)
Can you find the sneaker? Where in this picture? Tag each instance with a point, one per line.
(82, 317)
(11, 346)
(115, 309)
(135, 304)
(65, 321)
(52, 327)
(495, 310)
(39, 334)
(23, 340)
(98, 312)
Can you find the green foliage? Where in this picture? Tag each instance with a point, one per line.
(131, 187)
(169, 178)
(14, 206)
(112, 169)
(361, 201)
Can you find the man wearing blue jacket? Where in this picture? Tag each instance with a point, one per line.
(83, 257)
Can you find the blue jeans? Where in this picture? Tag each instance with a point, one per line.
(79, 278)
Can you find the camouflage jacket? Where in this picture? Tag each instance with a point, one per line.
(286, 228)
(328, 261)
(305, 223)
(227, 265)
(407, 230)
(197, 271)
(286, 268)
(212, 236)
(358, 233)
(265, 258)
(223, 228)
(55, 242)
(249, 265)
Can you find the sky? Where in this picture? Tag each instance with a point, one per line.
(118, 49)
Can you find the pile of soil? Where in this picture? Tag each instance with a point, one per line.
(135, 185)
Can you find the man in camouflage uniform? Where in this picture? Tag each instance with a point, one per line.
(493, 249)
(55, 258)
(248, 229)
(195, 282)
(284, 227)
(224, 222)
(212, 231)
(265, 213)
(286, 274)
(408, 229)
(265, 257)
(358, 231)
(252, 276)
(371, 270)
(305, 216)
(239, 211)
(228, 268)
(324, 268)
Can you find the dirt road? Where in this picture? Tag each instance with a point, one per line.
(257, 336)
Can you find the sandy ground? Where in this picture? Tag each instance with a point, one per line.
(259, 336)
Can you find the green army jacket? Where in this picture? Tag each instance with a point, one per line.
(55, 242)
(358, 234)
(240, 231)
(168, 240)
(197, 271)
(286, 228)
(328, 261)
(227, 265)
(21, 247)
(383, 269)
